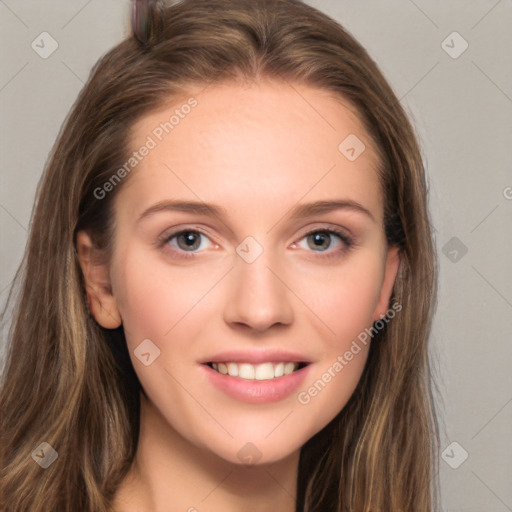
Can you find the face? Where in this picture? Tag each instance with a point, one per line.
(249, 241)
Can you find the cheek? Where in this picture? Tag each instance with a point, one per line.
(152, 297)
(346, 303)
(346, 298)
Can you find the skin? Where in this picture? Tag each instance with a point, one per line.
(258, 151)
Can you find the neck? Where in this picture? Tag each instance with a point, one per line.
(170, 474)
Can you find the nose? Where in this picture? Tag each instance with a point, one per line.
(258, 297)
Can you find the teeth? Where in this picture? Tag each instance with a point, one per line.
(289, 367)
(279, 370)
(263, 371)
(246, 371)
(233, 369)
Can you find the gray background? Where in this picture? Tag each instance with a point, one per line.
(461, 108)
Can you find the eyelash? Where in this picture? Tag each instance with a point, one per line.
(346, 240)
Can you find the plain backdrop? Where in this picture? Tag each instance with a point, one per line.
(449, 62)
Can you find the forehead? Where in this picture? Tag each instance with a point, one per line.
(254, 141)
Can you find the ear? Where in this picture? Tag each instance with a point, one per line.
(392, 265)
(102, 303)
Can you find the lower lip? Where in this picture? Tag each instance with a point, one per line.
(257, 391)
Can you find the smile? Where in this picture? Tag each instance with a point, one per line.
(262, 371)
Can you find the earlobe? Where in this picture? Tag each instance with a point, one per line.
(102, 303)
(391, 271)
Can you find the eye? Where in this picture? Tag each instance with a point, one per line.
(327, 240)
(188, 241)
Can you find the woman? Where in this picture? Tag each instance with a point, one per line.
(227, 292)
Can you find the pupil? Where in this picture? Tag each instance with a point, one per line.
(190, 240)
(321, 240)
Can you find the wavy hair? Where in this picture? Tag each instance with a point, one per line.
(69, 382)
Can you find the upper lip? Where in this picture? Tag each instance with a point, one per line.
(256, 357)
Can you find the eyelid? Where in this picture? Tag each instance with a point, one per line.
(176, 230)
(340, 230)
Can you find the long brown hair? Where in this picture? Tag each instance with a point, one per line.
(69, 383)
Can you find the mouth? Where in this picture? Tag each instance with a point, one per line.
(256, 377)
(259, 372)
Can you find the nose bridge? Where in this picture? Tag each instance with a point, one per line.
(258, 298)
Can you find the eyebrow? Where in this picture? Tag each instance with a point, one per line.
(297, 213)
